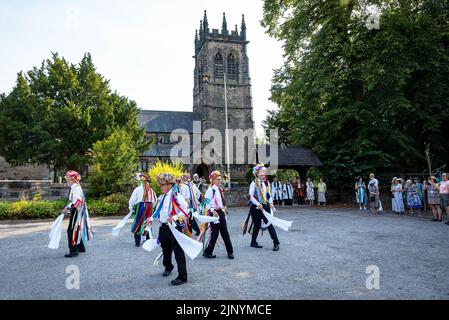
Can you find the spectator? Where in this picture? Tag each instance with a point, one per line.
(322, 188)
(433, 198)
(360, 193)
(310, 191)
(287, 193)
(397, 203)
(276, 191)
(374, 194)
(444, 193)
(413, 199)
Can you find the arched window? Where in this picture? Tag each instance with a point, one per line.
(218, 66)
(233, 67)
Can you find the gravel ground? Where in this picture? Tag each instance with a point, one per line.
(324, 256)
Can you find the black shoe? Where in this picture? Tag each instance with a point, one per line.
(197, 234)
(82, 250)
(256, 245)
(231, 256)
(447, 223)
(276, 247)
(166, 273)
(434, 220)
(71, 254)
(178, 282)
(440, 220)
(210, 256)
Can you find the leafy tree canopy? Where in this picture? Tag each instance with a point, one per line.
(364, 96)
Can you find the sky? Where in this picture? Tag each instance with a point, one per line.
(144, 47)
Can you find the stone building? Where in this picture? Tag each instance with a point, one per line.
(220, 56)
(221, 61)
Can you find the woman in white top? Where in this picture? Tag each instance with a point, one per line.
(397, 203)
(260, 199)
(79, 229)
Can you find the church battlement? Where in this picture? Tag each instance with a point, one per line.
(224, 34)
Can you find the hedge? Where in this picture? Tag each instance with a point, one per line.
(116, 204)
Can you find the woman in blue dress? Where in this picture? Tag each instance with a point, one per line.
(360, 193)
(413, 199)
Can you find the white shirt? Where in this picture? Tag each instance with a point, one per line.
(214, 196)
(185, 191)
(287, 191)
(166, 207)
(252, 193)
(76, 196)
(137, 197)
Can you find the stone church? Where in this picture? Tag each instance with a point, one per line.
(220, 57)
(221, 61)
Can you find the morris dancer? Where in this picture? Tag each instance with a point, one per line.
(260, 199)
(216, 206)
(192, 195)
(171, 207)
(141, 202)
(79, 229)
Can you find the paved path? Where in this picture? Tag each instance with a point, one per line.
(324, 256)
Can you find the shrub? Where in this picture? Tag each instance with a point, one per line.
(113, 162)
(4, 210)
(114, 204)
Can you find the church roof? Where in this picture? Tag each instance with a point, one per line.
(167, 121)
(296, 156)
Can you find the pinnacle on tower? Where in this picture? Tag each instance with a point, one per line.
(224, 26)
(205, 23)
(243, 29)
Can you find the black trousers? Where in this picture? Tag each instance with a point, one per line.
(138, 237)
(257, 216)
(169, 244)
(221, 228)
(77, 247)
(192, 224)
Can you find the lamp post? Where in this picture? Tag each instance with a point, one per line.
(227, 131)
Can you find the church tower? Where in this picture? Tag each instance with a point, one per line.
(220, 53)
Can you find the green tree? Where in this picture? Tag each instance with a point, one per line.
(364, 98)
(113, 163)
(57, 111)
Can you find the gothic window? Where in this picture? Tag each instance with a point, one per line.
(218, 66)
(232, 67)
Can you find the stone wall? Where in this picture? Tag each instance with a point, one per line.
(29, 189)
(8, 172)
